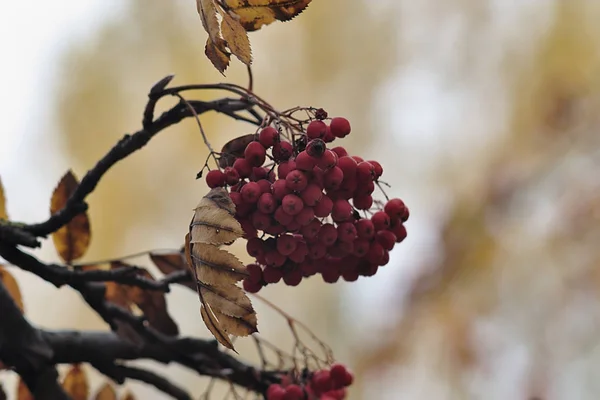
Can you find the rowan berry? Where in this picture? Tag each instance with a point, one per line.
(294, 392)
(282, 217)
(275, 391)
(328, 160)
(316, 129)
(285, 167)
(260, 220)
(328, 234)
(254, 247)
(365, 228)
(279, 189)
(386, 239)
(292, 204)
(305, 162)
(282, 151)
(380, 220)
(315, 148)
(361, 247)
(296, 180)
(268, 137)
(305, 217)
(349, 166)
(323, 207)
(346, 232)
(286, 244)
(311, 230)
(340, 127)
(311, 194)
(365, 171)
(243, 167)
(272, 274)
(274, 258)
(292, 277)
(215, 178)
(332, 180)
(342, 210)
(231, 176)
(363, 202)
(251, 286)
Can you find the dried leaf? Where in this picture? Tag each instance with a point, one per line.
(217, 53)
(256, 13)
(236, 37)
(72, 240)
(3, 214)
(2, 393)
(234, 149)
(106, 392)
(172, 262)
(215, 266)
(128, 396)
(208, 14)
(23, 392)
(151, 302)
(76, 383)
(225, 308)
(12, 286)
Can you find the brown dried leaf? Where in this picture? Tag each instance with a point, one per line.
(225, 308)
(12, 286)
(151, 302)
(215, 266)
(217, 53)
(256, 13)
(234, 149)
(106, 392)
(208, 14)
(23, 392)
(128, 396)
(3, 214)
(236, 37)
(72, 240)
(76, 383)
(172, 262)
(2, 393)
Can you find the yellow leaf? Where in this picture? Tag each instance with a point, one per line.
(256, 13)
(106, 392)
(237, 38)
(23, 392)
(72, 240)
(12, 286)
(225, 308)
(3, 214)
(217, 54)
(76, 383)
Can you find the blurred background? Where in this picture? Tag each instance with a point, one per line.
(484, 114)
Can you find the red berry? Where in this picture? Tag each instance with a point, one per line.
(338, 375)
(305, 162)
(285, 167)
(340, 127)
(311, 194)
(365, 228)
(265, 186)
(328, 160)
(274, 258)
(321, 381)
(250, 192)
(358, 159)
(349, 166)
(215, 178)
(282, 151)
(250, 286)
(328, 234)
(294, 392)
(315, 148)
(386, 239)
(365, 188)
(399, 230)
(346, 232)
(342, 210)
(333, 178)
(312, 229)
(350, 275)
(300, 253)
(305, 217)
(231, 176)
(317, 176)
(293, 226)
(323, 207)
(275, 392)
(296, 180)
(286, 244)
(394, 208)
(260, 220)
(292, 277)
(248, 228)
(377, 168)
(243, 167)
(255, 153)
(363, 202)
(405, 215)
(254, 247)
(266, 203)
(268, 137)
(328, 138)
(279, 189)
(292, 204)
(385, 259)
(317, 251)
(308, 268)
(365, 172)
(375, 253)
(272, 274)
(316, 129)
(340, 151)
(331, 275)
(282, 217)
(380, 220)
(259, 173)
(361, 247)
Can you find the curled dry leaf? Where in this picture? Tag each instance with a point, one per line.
(72, 240)
(172, 262)
(76, 383)
(23, 392)
(12, 286)
(224, 39)
(106, 392)
(151, 302)
(234, 149)
(256, 13)
(3, 214)
(225, 308)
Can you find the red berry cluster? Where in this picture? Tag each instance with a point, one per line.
(325, 384)
(305, 198)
